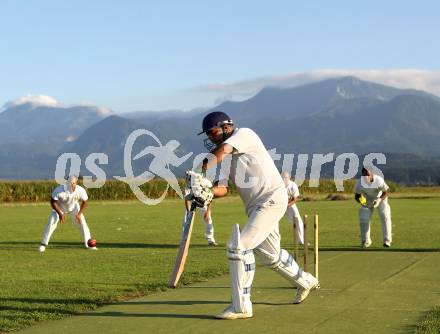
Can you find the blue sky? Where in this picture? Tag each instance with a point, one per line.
(142, 55)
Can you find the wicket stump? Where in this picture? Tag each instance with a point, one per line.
(296, 253)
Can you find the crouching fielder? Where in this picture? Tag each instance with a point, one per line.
(65, 199)
(262, 191)
(372, 192)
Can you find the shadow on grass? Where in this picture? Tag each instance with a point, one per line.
(172, 315)
(173, 302)
(15, 245)
(26, 244)
(52, 310)
(47, 300)
(205, 287)
(59, 244)
(149, 315)
(374, 249)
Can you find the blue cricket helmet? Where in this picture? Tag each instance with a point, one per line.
(215, 119)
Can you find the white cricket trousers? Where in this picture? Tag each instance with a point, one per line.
(260, 235)
(209, 226)
(385, 216)
(53, 223)
(293, 213)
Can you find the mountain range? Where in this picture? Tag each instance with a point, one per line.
(336, 115)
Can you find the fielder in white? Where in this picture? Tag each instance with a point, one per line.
(65, 199)
(205, 213)
(372, 192)
(262, 191)
(292, 211)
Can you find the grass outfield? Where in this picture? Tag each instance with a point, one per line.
(138, 245)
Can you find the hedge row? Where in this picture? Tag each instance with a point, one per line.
(38, 191)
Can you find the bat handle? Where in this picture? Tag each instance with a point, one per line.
(193, 206)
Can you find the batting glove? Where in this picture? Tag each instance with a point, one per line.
(199, 189)
(203, 198)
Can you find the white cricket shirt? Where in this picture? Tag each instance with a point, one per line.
(371, 190)
(67, 202)
(251, 169)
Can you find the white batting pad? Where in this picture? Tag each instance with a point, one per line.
(287, 267)
(241, 271)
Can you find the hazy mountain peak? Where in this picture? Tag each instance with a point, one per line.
(333, 115)
(33, 101)
(351, 87)
(351, 80)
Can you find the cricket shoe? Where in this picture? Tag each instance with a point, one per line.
(42, 248)
(387, 244)
(92, 248)
(211, 242)
(230, 314)
(366, 244)
(302, 293)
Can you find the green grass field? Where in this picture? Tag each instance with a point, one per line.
(138, 244)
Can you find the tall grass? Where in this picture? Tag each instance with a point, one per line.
(39, 191)
(430, 324)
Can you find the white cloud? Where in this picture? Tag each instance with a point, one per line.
(47, 101)
(104, 111)
(212, 94)
(35, 100)
(428, 81)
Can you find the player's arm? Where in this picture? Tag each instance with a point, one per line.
(292, 201)
(187, 205)
(84, 205)
(220, 152)
(219, 190)
(384, 195)
(55, 206)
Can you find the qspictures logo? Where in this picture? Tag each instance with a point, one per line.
(164, 156)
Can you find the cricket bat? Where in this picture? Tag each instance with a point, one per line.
(184, 246)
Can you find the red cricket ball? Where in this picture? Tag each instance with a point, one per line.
(91, 243)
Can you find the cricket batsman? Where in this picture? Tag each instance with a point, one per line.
(372, 192)
(263, 193)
